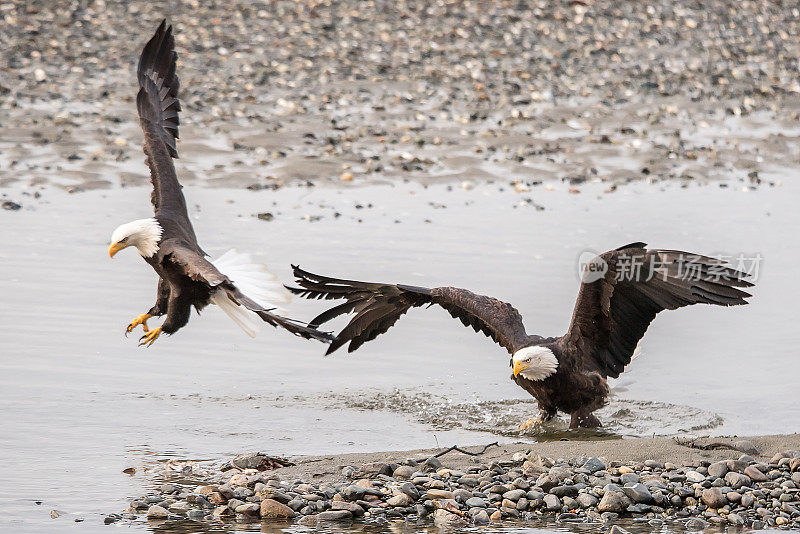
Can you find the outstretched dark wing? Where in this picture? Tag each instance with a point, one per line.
(624, 289)
(378, 306)
(158, 106)
(199, 269)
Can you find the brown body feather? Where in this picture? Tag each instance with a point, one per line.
(611, 315)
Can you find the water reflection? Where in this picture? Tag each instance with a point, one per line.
(413, 526)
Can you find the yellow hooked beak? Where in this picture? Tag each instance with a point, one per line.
(114, 248)
(519, 367)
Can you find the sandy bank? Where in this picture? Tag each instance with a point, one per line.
(327, 468)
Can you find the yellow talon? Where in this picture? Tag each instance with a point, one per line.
(141, 320)
(530, 423)
(150, 337)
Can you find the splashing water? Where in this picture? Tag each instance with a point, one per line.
(621, 417)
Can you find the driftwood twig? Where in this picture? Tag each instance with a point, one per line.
(693, 444)
(457, 449)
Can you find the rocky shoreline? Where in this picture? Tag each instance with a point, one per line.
(478, 488)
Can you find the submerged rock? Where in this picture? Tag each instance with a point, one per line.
(443, 518)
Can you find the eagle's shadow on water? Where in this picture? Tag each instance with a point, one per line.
(620, 417)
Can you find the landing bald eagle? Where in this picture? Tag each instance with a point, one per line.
(242, 289)
(621, 292)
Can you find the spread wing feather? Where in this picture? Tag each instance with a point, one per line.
(377, 308)
(158, 106)
(613, 312)
(199, 269)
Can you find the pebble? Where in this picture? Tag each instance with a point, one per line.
(638, 493)
(334, 515)
(404, 472)
(594, 465)
(353, 492)
(552, 502)
(205, 490)
(734, 496)
(513, 495)
(755, 474)
(737, 480)
(614, 501)
(714, 498)
(432, 464)
(718, 469)
(475, 502)
(694, 476)
(376, 468)
(441, 494)
(157, 512)
(446, 519)
(696, 524)
(272, 509)
(400, 499)
(411, 490)
(308, 521)
(481, 518)
(355, 509)
(196, 515)
(248, 509)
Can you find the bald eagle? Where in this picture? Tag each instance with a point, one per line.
(621, 292)
(244, 290)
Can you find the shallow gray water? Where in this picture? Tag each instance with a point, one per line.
(81, 402)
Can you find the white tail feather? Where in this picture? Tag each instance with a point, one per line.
(247, 320)
(255, 281)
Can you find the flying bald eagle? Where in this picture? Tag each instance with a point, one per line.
(244, 290)
(621, 292)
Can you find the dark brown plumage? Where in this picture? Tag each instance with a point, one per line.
(567, 373)
(187, 277)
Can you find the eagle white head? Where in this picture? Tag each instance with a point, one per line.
(144, 234)
(534, 363)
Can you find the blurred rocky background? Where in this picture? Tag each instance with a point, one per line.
(366, 91)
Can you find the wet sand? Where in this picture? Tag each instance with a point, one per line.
(327, 468)
(335, 93)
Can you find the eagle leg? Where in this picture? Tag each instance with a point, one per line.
(141, 320)
(150, 337)
(584, 418)
(543, 417)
